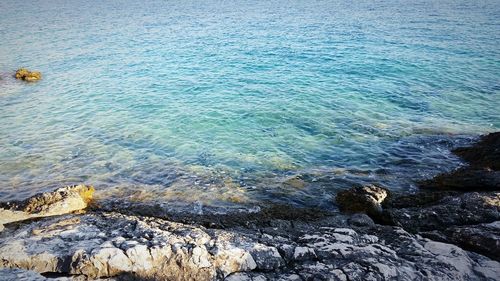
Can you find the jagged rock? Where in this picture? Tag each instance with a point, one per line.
(468, 220)
(465, 179)
(361, 220)
(8, 274)
(484, 154)
(481, 238)
(97, 245)
(365, 199)
(26, 75)
(465, 209)
(267, 258)
(482, 173)
(103, 245)
(58, 202)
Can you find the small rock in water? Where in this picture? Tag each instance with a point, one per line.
(26, 75)
(364, 199)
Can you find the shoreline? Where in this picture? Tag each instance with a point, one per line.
(444, 233)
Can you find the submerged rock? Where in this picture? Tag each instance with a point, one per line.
(58, 202)
(365, 199)
(26, 75)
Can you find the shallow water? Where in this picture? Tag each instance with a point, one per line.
(242, 102)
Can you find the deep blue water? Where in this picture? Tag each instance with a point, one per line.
(242, 101)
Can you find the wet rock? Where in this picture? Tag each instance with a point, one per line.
(365, 199)
(26, 75)
(466, 209)
(277, 215)
(465, 219)
(58, 202)
(482, 173)
(422, 198)
(465, 179)
(441, 211)
(484, 154)
(360, 220)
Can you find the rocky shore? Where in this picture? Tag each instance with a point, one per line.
(450, 230)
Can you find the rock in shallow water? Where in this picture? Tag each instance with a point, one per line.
(26, 75)
(58, 202)
(484, 154)
(364, 199)
(482, 173)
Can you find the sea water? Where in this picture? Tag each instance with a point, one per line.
(242, 102)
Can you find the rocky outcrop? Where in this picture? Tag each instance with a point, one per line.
(108, 244)
(441, 211)
(61, 201)
(464, 209)
(363, 199)
(483, 154)
(26, 75)
(469, 220)
(482, 172)
(439, 235)
(9, 274)
(465, 179)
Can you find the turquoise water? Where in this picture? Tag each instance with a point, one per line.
(242, 102)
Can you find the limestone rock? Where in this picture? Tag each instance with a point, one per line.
(26, 75)
(110, 244)
(58, 202)
(365, 199)
(104, 245)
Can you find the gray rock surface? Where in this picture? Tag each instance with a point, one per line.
(464, 209)
(110, 244)
(470, 220)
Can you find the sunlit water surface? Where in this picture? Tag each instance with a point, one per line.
(217, 103)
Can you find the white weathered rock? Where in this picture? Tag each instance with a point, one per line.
(103, 245)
